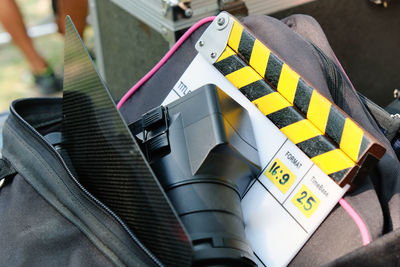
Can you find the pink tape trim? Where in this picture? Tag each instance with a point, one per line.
(164, 59)
(357, 219)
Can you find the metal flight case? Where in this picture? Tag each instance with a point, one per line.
(135, 34)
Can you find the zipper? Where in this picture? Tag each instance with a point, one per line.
(34, 133)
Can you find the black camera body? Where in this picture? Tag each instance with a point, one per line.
(202, 150)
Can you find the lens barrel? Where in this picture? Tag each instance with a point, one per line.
(200, 172)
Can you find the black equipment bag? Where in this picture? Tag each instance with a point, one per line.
(47, 217)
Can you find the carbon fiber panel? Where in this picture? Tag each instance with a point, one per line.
(108, 161)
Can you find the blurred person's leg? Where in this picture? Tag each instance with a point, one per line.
(11, 18)
(76, 9)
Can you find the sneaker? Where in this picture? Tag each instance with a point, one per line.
(47, 82)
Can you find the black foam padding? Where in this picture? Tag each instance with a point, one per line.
(230, 64)
(316, 146)
(246, 45)
(108, 162)
(273, 71)
(335, 125)
(256, 90)
(285, 117)
(303, 96)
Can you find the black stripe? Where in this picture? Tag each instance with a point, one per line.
(273, 71)
(364, 146)
(338, 176)
(256, 90)
(229, 65)
(303, 96)
(246, 45)
(285, 117)
(316, 146)
(335, 125)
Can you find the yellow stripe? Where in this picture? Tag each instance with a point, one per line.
(259, 57)
(236, 34)
(270, 103)
(227, 53)
(300, 131)
(287, 84)
(351, 139)
(243, 77)
(333, 161)
(318, 111)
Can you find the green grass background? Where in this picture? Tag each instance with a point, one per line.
(16, 80)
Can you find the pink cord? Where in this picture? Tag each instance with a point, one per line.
(353, 214)
(164, 59)
(357, 219)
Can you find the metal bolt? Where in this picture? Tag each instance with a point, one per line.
(221, 21)
(213, 55)
(188, 12)
(201, 43)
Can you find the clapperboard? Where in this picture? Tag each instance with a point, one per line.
(310, 149)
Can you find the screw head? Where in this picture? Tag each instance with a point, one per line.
(221, 21)
(213, 55)
(201, 43)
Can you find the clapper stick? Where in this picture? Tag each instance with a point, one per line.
(332, 140)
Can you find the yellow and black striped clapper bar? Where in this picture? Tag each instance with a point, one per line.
(332, 140)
